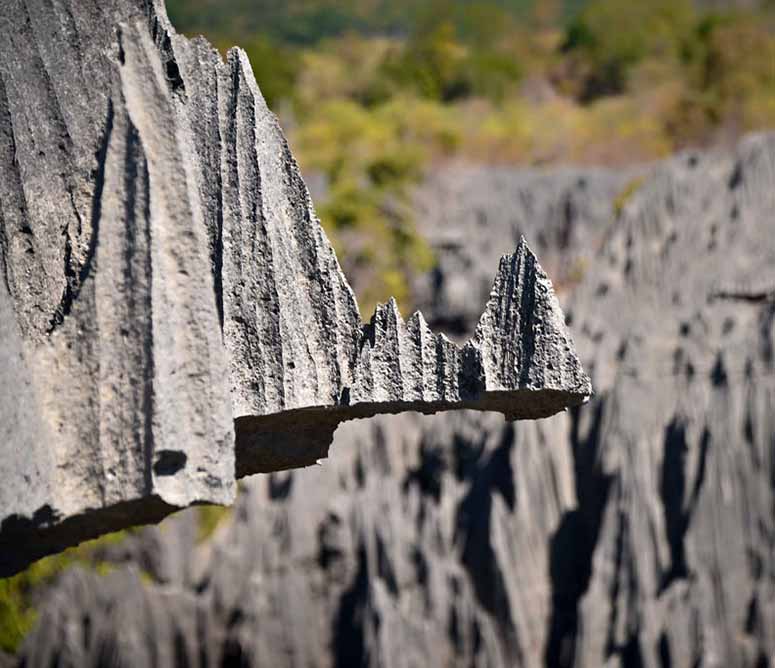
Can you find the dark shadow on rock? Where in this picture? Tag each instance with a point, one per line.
(473, 529)
(349, 646)
(572, 546)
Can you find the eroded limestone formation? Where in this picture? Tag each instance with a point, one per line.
(172, 315)
(637, 530)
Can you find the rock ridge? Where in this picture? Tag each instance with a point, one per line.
(173, 316)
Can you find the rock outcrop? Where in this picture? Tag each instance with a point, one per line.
(636, 530)
(172, 316)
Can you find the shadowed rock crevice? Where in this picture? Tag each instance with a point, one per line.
(428, 476)
(350, 624)
(473, 533)
(624, 585)
(672, 490)
(678, 500)
(572, 546)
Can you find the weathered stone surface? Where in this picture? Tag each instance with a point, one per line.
(520, 361)
(636, 530)
(172, 315)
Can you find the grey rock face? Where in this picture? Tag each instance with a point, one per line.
(400, 549)
(636, 530)
(471, 214)
(520, 362)
(680, 571)
(172, 315)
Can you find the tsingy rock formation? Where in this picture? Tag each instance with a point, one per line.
(172, 315)
(637, 530)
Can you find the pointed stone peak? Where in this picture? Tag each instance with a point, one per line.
(522, 336)
(521, 354)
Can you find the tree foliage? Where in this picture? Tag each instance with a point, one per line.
(376, 92)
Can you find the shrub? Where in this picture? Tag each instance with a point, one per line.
(611, 37)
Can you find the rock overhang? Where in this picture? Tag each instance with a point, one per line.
(174, 316)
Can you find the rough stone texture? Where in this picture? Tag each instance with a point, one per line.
(637, 530)
(171, 312)
(520, 361)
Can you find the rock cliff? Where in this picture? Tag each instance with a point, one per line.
(172, 316)
(637, 530)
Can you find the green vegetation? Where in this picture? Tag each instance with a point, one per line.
(208, 519)
(18, 594)
(308, 22)
(610, 39)
(376, 92)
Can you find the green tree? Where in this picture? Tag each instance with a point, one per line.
(432, 63)
(611, 37)
(731, 79)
